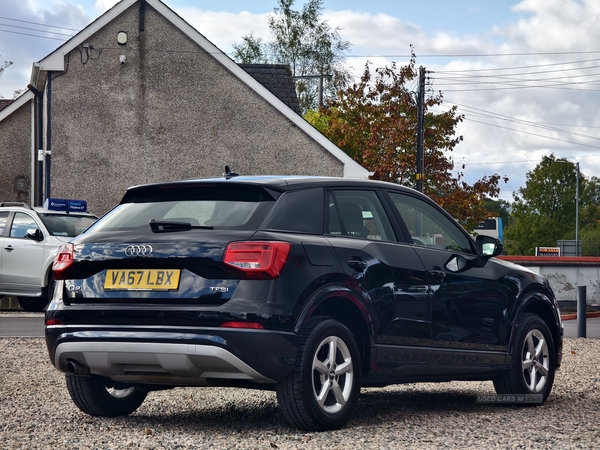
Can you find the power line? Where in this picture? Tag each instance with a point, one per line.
(37, 23)
(553, 86)
(34, 29)
(34, 35)
(549, 127)
(526, 160)
(519, 67)
(478, 55)
(506, 79)
(535, 134)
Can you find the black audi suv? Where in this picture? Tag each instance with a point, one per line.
(309, 286)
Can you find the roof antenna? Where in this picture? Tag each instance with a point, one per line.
(229, 174)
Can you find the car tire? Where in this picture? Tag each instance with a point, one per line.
(533, 361)
(32, 304)
(36, 304)
(322, 391)
(97, 396)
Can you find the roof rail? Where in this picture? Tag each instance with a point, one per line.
(24, 205)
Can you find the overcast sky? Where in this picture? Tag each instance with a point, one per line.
(526, 74)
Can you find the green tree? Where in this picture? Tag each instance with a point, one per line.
(498, 208)
(251, 51)
(589, 210)
(544, 210)
(590, 241)
(589, 218)
(307, 44)
(375, 122)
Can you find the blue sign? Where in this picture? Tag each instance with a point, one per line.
(77, 205)
(62, 204)
(55, 204)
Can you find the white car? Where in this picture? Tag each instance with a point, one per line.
(30, 238)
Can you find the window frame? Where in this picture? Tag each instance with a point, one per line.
(8, 234)
(267, 224)
(436, 207)
(330, 193)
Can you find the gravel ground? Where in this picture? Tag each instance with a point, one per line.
(37, 413)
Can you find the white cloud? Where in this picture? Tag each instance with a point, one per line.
(103, 5)
(224, 28)
(376, 34)
(558, 25)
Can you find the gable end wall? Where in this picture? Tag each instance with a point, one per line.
(170, 112)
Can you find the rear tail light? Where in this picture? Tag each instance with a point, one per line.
(256, 260)
(51, 322)
(63, 261)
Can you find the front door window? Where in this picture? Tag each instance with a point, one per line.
(428, 226)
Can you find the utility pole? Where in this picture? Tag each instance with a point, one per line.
(320, 77)
(577, 211)
(420, 135)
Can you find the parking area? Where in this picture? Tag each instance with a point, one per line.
(38, 413)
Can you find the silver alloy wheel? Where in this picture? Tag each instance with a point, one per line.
(332, 374)
(535, 361)
(120, 393)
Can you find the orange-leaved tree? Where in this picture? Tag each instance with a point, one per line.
(375, 122)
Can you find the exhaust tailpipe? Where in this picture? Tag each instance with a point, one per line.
(74, 368)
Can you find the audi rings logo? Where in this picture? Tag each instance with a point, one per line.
(138, 250)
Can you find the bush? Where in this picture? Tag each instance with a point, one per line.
(590, 241)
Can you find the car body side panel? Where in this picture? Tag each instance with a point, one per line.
(470, 313)
(397, 290)
(22, 267)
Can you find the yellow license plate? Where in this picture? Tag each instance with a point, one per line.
(142, 280)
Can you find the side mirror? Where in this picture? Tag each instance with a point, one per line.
(35, 234)
(488, 246)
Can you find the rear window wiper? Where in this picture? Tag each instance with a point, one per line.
(162, 226)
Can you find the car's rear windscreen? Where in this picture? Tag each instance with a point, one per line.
(215, 206)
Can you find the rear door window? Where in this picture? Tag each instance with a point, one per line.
(356, 213)
(3, 219)
(298, 211)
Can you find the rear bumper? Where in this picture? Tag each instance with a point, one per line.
(174, 357)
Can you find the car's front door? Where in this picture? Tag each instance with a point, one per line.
(389, 274)
(22, 257)
(468, 302)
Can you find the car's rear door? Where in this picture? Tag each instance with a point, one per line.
(388, 274)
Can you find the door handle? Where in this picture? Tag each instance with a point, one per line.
(438, 275)
(357, 264)
(9, 248)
